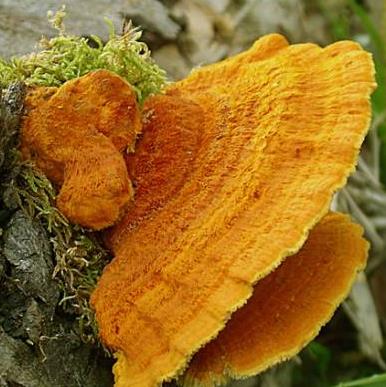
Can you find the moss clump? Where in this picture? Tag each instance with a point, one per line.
(65, 57)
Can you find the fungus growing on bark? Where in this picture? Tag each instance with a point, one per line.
(76, 135)
(236, 165)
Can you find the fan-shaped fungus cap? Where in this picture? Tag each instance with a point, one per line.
(237, 164)
(76, 134)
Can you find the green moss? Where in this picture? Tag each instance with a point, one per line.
(65, 57)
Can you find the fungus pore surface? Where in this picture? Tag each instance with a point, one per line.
(237, 163)
(287, 307)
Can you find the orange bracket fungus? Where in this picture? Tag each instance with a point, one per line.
(227, 260)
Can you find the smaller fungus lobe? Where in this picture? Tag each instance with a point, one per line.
(281, 315)
(76, 135)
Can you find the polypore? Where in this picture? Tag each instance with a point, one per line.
(234, 170)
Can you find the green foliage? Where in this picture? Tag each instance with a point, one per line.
(372, 381)
(66, 57)
(378, 46)
(321, 355)
(341, 27)
(325, 366)
(339, 23)
(316, 360)
(379, 51)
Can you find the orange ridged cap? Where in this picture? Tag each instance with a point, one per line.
(236, 165)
